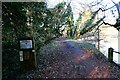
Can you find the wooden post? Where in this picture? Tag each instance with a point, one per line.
(98, 38)
(110, 54)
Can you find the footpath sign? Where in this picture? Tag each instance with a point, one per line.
(27, 55)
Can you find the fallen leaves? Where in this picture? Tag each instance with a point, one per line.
(56, 60)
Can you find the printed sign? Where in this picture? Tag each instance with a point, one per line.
(21, 55)
(25, 44)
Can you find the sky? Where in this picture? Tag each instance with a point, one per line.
(76, 8)
(110, 18)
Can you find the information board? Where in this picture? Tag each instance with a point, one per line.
(26, 44)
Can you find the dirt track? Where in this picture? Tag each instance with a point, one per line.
(69, 60)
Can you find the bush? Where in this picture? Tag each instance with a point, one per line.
(10, 60)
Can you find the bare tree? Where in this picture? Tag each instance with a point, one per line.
(117, 24)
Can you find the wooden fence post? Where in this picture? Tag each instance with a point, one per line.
(110, 54)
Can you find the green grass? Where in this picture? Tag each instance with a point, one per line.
(89, 46)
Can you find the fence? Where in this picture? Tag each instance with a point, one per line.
(110, 55)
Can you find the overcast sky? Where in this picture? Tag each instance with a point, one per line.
(76, 7)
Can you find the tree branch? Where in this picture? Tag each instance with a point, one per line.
(96, 3)
(116, 25)
(117, 6)
(108, 24)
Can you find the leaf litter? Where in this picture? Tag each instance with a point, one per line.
(62, 59)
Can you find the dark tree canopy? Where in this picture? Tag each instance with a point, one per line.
(21, 20)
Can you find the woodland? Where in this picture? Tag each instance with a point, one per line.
(43, 24)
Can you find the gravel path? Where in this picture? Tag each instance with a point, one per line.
(68, 60)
